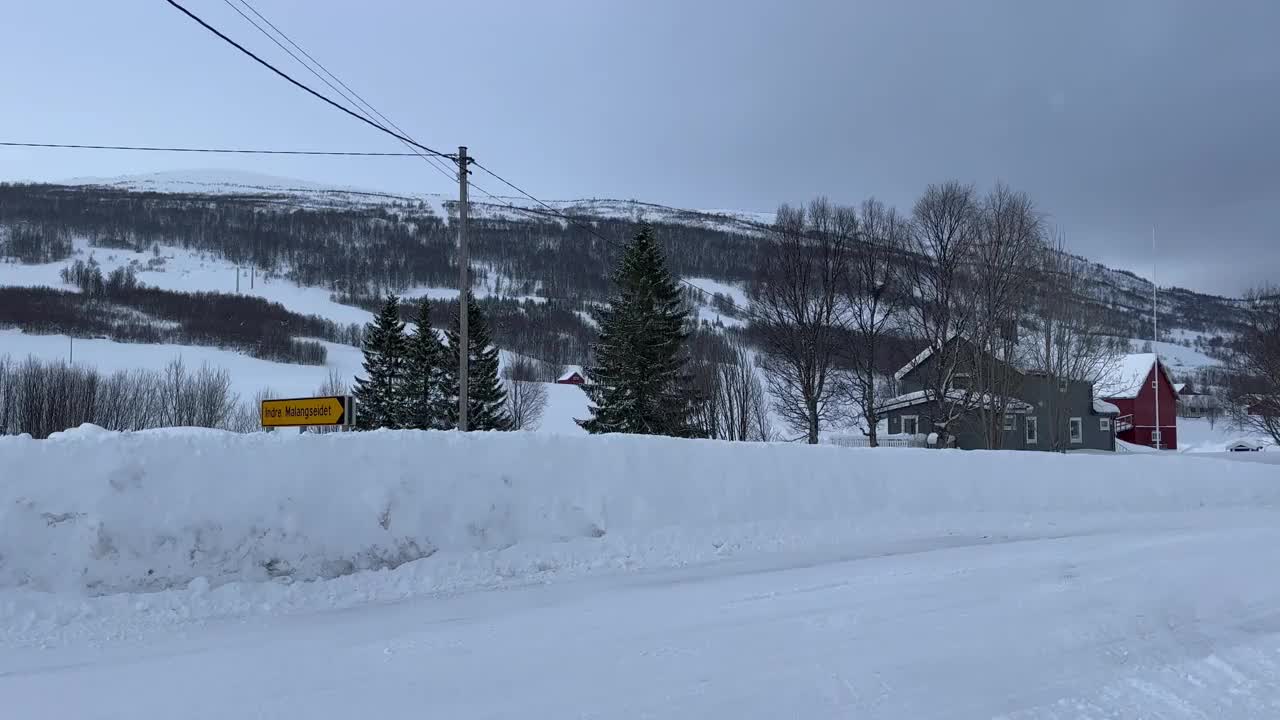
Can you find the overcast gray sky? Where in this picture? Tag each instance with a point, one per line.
(1115, 116)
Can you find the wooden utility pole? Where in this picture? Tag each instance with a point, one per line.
(464, 345)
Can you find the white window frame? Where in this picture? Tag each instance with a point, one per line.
(1104, 424)
(1062, 385)
(915, 420)
(1033, 430)
(1075, 430)
(1010, 421)
(1157, 437)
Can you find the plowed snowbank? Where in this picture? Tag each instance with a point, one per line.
(105, 512)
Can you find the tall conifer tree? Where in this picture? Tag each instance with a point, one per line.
(486, 397)
(640, 382)
(380, 393)
(426, 376)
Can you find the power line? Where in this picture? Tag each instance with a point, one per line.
(400, 135)
(304, 87)
(354, 97)
(235, 151)
(346, 92)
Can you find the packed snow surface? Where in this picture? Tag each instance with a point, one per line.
(1198, 435)
(95, 511)
(627, 577)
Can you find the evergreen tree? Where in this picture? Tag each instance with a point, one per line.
(486, 397)
(380, 394)
(639, 383)
(426, 375)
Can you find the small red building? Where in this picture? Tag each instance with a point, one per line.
(573, 375)
(1136, 386)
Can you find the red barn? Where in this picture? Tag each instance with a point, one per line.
(1136, 388)
(573, 375)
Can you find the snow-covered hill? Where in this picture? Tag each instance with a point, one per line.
(1128, 295)
(308, 193)
(166, 265)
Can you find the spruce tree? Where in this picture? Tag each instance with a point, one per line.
(639, 382)
(486, 397)
(426, 375)
(380, 395)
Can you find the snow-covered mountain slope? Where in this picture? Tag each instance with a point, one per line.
(484, 206)
(399, 243)
(239, 183)
(1127, 295)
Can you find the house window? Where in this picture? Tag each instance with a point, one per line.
(1033, 430)
(1077, 430)
(1062, 385)
(911, 424)
(1155, 438)
(1009, 421)
(1104, 424)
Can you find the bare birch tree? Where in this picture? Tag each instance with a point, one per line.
(945, 224)
(1071, 340)
(1257, 384)
(742, 404)
(796, 312)
(872, 298)
(1000, 281)
(526, 393)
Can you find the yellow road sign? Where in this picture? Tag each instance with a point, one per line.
(295, 412)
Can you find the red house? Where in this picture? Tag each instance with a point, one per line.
(1136, 388)
(572, 376)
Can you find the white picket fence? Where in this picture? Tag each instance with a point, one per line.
(863, 441)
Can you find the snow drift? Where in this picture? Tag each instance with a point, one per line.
(96, 511)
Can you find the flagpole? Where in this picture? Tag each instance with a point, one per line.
(1155, 334)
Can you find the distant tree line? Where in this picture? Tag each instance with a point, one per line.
(118, 308)
(361, 251)
(34, 243)
(364, 253)
(40, 397)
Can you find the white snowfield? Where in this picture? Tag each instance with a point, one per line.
(205, 574)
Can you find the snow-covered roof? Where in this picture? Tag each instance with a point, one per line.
(1126, 378)
(570, 371)
(1102, 407)
(918, 359)
(1179, 387)
(955, 396)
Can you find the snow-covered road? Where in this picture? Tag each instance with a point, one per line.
(1174, 621)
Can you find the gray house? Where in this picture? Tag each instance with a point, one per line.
(1041, 412)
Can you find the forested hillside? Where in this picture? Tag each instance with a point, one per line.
(361, 246)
